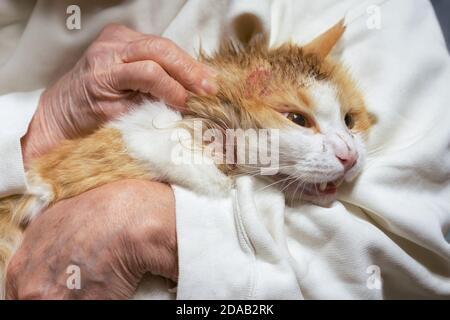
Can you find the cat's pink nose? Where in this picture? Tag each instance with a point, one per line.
(343, 150)
(348, 159)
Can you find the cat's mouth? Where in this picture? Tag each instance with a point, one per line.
(298, 188)
(321, 189)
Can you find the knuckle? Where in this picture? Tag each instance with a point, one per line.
(93, 46)
(150, 68)
(96, 50)
(92, 51)
(111, 28)
(158, 45)
(188, 73)
(100, 47)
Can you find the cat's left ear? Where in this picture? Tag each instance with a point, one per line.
(323, 44)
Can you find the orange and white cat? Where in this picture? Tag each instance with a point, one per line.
(310, 99)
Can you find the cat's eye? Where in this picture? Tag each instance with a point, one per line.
(299, 119)
(349, 121)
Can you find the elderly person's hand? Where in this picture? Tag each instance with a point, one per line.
(118, 68)
(117, 232)
(114, 234)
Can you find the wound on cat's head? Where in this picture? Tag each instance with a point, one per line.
(300, 90)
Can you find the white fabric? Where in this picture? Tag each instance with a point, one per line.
(16, 111)
(251, 245)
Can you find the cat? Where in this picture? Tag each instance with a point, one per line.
(310, 99)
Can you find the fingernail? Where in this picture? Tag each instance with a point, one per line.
(208, 86)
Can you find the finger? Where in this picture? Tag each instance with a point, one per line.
(148, 77)
(187, 71)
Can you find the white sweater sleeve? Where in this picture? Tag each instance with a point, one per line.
(16, 111)
(225, 251)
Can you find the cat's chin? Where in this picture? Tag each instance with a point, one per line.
(323, 201)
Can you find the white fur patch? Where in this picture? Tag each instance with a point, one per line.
(326, 105)
(42, 195)
(148, 134)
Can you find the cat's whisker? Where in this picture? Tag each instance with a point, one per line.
(272, 184)
(254, 173)
(287, 186)
(303, 190)
(295, 192)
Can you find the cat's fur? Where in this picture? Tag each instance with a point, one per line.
(257, 87)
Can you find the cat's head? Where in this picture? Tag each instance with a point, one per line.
(313, 102)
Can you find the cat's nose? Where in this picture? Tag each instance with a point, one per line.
(348, 160)
(344, 152)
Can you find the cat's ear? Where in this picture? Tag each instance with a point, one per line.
(323, 44)
(248, 30)
(245, 32)
(372, 118)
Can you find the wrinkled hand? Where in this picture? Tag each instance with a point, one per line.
(119, 66)
(114, 233)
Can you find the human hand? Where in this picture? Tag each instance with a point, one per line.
(114, 234)
(114, 72)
